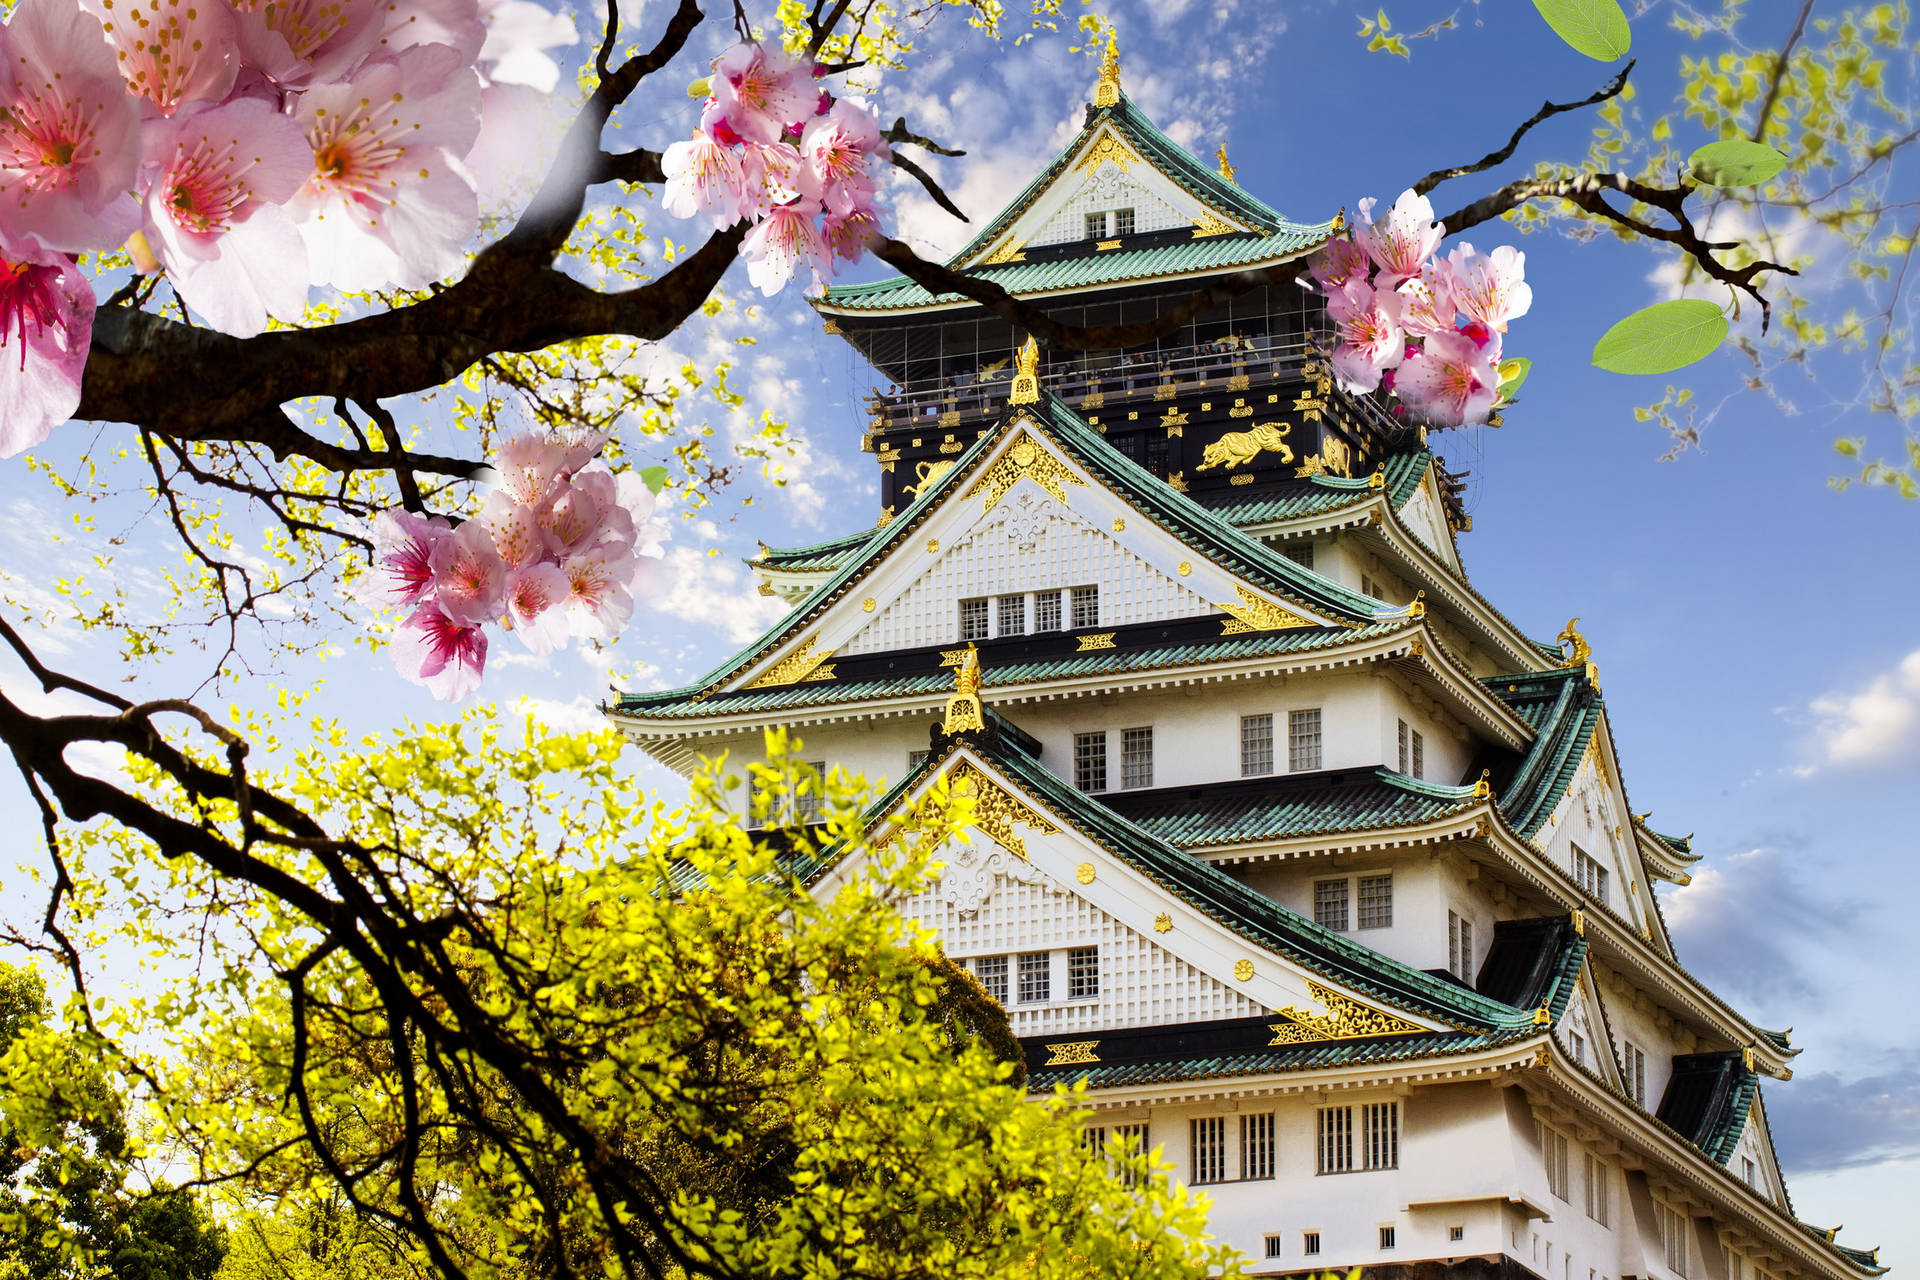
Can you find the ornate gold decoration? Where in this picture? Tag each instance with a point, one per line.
(1085, 873)
(1179, 481)
(1093, 400)
(1210, 224)
(1236, 447)
(1175, 422)
(926, 473)
(1133, 415)
(1110, 148)
(1099, 640)
(1580, 652)
(1746, 1057)
(1335, 458)
(867, 605)
(1226, 168)
(933, 546)
(1165, 390)
(1072, 1053)
(1011, 251)
(964, 712)
(1540, 1056)
(1344, 1019)
(1579, 922)
(1241, 409)
(1340, 220)
(1026, 374)
(832, 326)
(1244, 477)
(1104, 245)
(1107, 92)
(1252, 613)
(889, 454)
(1024, 458)
(1162, 923)
(1483, 789)
(1119, 526)
(1378, 480)
(1309, 406)
(950, 445)
(948, 419)
(1237, 382)
(1242, 970)
(952, 657)
(1418, 648)
(885, 518)
(995, 809)
(766, 589)
(1186, 567)
(797, 666)
(1418, 608)
(1543, 1016)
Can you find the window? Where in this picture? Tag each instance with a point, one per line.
(1136, 757)
(1369, 587)
(1330, 904)
(1123, 222)
(1012, 619)
(1046, 611)
(1382, 1131)
(973, 619)
(1386, 1237)
(1749, 1172)
(1273, 1246)
(1335, 1132)
(1636, 1073)
(1456, 1234)
(1303, 739)
(1309, 1242)
(1673, 1235)
(1597, 1189)
(915, 759)
(1159, 450)
(1093, 1139)
(1096, 225)
(1376, 902)
(1256, 746)
(1555, 1149)
(1301, 555)
(1036, 977)
(1209, 1138)
(1460, 946)
(992, 972)
(1256, 1146)
(1591, 875)
(1129, 1140)
(1090, 761)
(1086, 607)
(1578, 1043)
(1413, 751)
(806, 797)
(1083, 973)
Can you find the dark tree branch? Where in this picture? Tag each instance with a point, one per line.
(1547, 111)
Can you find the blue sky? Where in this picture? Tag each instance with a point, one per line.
(1757, 634)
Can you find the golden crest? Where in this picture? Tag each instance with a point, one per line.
(1344, 1019)
(1236, 447)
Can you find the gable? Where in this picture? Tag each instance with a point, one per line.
(1424, 516)
(1591, 822)
(1756, 1144)
(1586, 1017)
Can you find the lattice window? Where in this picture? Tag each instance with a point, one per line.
(1128, 1140)
(1330, 904)
(1376, 902)
(1381, 1126)
(1273, 1246)
(973, 619)
(1335, 1132)
(1106, 188)
(1046, 611)
(1673, 1235)
(1083, 973)
(1256, 1146)
(1136, 757)
(807, 800)
(1086, 607)
(1555, 1150)
(1459, 946)
(1387, 1236)
(1093, 1139)
(1011, 619)
(1208, 1138)
(1090, 761)
(1303, 740)
(1419, 769)
(1301, 554)
(1123, 222)
(1310, 1242)
(1256, 746)
(1590, 874)
(1413, 751)
(1599, 1189)
(1096, 226)
(1635, 1073)
(992, 972)
(1036, 976)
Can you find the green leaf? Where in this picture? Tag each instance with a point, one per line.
(1735, 162)
(1597, 28)
(1512, 374)
(655, 478)
(1661, 338)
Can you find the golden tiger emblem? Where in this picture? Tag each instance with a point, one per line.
(1236, 447)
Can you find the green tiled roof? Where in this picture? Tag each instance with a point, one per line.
(1563, 708)
(1281, 807)
(1317, 495)
(1679, 844)
(1867, 1258)
(1324, 1055)
(821, 555)
(1277, 236)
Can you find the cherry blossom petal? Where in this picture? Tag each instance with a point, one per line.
(513, 527)
(1449, 382)
(704, 179)
(46, 327)
(1339, 261)
(537, 596)
(403, 546)
(527, 466)
(786, 243)
(469, 575)
(445, 655)
(1400, 243)
(761, 93)
(1490, 286)
(296, 43)
(1428, 298)
(171, 52)
(599, 603)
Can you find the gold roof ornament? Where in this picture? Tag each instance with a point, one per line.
(1340, 220)
(1581, 651)
(964, 712)
(1226, 166)
(1026, 374)
(1107, 92)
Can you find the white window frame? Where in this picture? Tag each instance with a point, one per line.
(1305, 747)
(1083, 973)
(1377, 913)
(976, 626)
(1035, 973)
(1256, 745)
(1084, 606)
(1207, 1149)
(1136, 758)
(1323, 903)
(1257, 1146)
(1460, 946)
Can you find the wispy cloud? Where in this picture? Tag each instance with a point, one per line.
(1874, 727)
(1756, 926)
(1823, 1122)
(717, 592)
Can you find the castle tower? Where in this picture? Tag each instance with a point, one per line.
(1317, 870)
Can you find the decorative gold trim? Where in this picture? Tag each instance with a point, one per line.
(1175, 422)
(1072, 1053)
(1226, 167)
(1236, 447)
(948, 419)
(953, 657)
(1011, 251)
(1162, 923)
(796, 666)
(1483, 789)
(933, 546)
(832, 327)
(1111, 147)
(1579, 922)
(1255, 613)
(1093, 400)
(995, 809)
(1165, 390)
(1210, 224)
(1242, 970)
(1543, 1016)
(1026, 374)
(926, 472)
(1085, 873)
(1106, 92)
(1418, 607)
(1242, 477)
(1178, 480)
(1024, 458)
(1099, 640)
(1239, 382)
(1186, 567)
(1119, 526)
(1344, 1019)
(1104, 245)
(1540, 1056)
(867, 605)
(964, 712)
(885, 519)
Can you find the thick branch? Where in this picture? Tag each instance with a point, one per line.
(1547, 111)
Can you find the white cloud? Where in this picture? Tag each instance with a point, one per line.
(717, 592)
(581, 715)
(1874, 727)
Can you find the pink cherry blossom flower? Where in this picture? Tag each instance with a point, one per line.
(599, 603)
(1428, 299)
(216, 183)
(760, 93)
(581, 450)
(527, 466)
(787, 242)
(454, 23)
(537, 595)
(571, 518)
(445, 655)
(703, 179)
(513, 527)
(386, 204)
(1489, 286)
(850, 236)
(69, 133)
(403, 546)
(518, 34)
(837, 146)
(296, 43)
(1402, 242)
(1371, 338)
(171, 52)
(771, 176)
(1449, 381)
(468, 575)
(46, 327)
(1339, 261)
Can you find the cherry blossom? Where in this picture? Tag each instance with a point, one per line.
(469, 575)
(217, 183)
(1488, 286)
(69, 132)
(837, 146)
(527, 466)
(599, 602)
(1449, 381)
(403, 545)
(537, 596)
(1403, 240)
(704, 179)
(1342, 260)
(773, 175)
(46, 326)
(760, 93)
(1429, 299)
(786, 243)
(446, 656)
(1371, 339)
(514, 529)
(171, 52)
(296, 43)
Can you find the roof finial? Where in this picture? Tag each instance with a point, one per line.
(1340, 220)
(1026, 374)
(964, 712)
(1107, 92)
(1226, 166)
(1581, 651)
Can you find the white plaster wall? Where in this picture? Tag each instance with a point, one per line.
(1108, 189)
